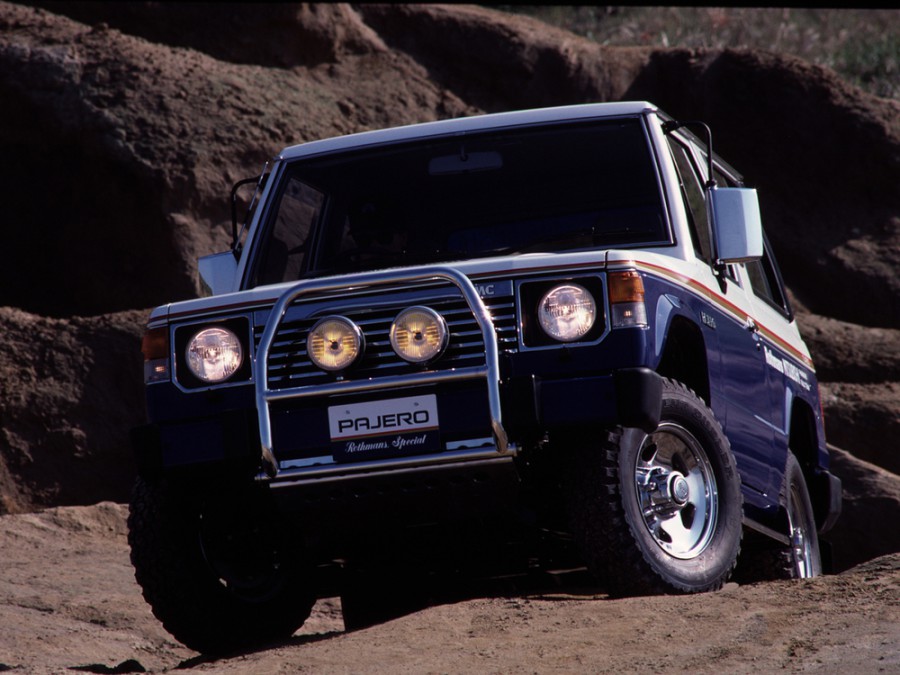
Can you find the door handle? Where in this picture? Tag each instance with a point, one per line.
(753, 327)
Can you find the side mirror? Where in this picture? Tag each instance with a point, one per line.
(736, 224)
(217, 273)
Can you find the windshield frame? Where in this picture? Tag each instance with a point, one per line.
(313, 262)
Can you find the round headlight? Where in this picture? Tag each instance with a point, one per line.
(419, 334)
(214, 354)
(334, 343)
(567, 312)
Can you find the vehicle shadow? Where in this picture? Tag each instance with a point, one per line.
(563, 586)
(296, 640)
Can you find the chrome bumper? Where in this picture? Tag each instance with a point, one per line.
(490, 372)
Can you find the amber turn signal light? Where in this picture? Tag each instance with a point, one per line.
(625, 287)
(155, 344)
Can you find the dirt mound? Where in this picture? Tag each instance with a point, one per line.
(126, 150)
(871, 498)
(69, 391)
(859, 368)
(128, 122)
(84, 613)
(294, 34)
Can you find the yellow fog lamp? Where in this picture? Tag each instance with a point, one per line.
(334, 343)
(419, 335)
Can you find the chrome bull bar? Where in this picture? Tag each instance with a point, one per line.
(490, 371)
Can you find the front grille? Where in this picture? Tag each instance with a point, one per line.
(289, 365)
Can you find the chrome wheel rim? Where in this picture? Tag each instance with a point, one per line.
(801, 547)
(676, 491)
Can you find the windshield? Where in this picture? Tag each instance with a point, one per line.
(556, 188)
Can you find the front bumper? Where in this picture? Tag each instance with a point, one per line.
(482, 417)
(227, 442)
(630, 397)
(530, 408)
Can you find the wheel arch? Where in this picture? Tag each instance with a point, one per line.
(684, 357)
(803, 442)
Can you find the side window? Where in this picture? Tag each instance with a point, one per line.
(286, 248)
(722, 180)
(692, 192)
(766, 281)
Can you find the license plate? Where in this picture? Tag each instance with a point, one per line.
(379, 429)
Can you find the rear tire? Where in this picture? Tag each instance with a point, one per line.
(660, 512)
(805, 556)
(215, 569)
(801, 557)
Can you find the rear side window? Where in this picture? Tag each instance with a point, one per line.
(765, 281)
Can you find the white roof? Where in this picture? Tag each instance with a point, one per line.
(467, 124)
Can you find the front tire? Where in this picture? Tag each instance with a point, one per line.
(216, 570)
(660, 512)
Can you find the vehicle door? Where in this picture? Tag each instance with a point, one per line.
(771, 307)
(739, 386)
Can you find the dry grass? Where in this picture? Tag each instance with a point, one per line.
(862, 45)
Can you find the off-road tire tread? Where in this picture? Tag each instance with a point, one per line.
(600, 524)
(181, 592)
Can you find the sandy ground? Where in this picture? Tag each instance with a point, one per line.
(68, 602)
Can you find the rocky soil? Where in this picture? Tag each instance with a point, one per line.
(69, 603)
(123, 126)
